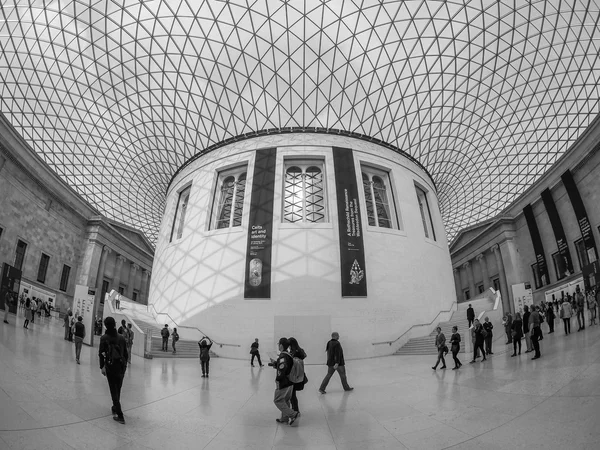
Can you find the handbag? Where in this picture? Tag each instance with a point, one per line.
(513, 333)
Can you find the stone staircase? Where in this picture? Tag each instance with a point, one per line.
(185, 348)
(426, 345)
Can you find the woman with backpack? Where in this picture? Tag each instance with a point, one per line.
(175, 337)
(297, 352)
(205, 354)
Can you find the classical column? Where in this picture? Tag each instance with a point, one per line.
(457, 284)
(484, 270)
(133, 268)
(470, 277)
(506, 303)
(88, 269)
(117, 278)
(144, 287)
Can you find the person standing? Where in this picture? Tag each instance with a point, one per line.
(165, 338)
(27, 313)
(255, 353)
(440, 344)
(284, 388)
(550, 317)
(205, 354)
(7, 303)
(534, 326)
(592, 307)
(517, 333)
(580, 302)
(479, 339)
(113, 364)
(455, 347)
(335, 362)
(470, 315)
(129, 341)
(34, 307)
(526, 331)
(79, 335)
(66, 323)
(174, 339)
(488, 326)
(507, 322)
(565, 314)
(297, 352)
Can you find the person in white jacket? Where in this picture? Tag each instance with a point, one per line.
(565, 314)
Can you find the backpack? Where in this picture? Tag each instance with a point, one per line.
(176, 337)
(296, 375)
(204, 355)
(113, 354)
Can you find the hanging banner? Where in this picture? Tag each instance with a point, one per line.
(260, 226)
(559, 232)
(580, 215)
(522, 295)
(352, 251)
(83, 305)
(538, 247)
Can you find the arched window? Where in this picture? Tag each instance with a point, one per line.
(229, 199)
(425, 213)
(380, 210)
(304, 194)
(180, 211)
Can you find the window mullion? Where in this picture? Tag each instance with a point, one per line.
(373, 200)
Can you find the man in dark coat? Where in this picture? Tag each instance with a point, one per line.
(335, 361)
(470, 315)
(113, 364)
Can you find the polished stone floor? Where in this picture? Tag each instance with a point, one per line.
(49, 402)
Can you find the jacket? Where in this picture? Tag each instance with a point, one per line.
(517, 327)
(470, 313)
(567, 312)
(479, 334)
(112, 337)
(534, 320)
(440, 341)
(455, 340)
(526, 322)
(284, 367)
(488, 328)
(335, 353)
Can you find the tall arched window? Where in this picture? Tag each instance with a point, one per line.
(180, 211)
(378, 198)
(425, 213)
(304, 193)
(229, 199)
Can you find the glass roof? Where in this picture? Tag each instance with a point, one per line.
(117, 95)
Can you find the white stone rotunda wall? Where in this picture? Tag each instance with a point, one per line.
(199, 279)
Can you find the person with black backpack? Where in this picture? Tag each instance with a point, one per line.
(165, 338)
(296, 352)
(174, 339)
(205, 354)
(113, 364)
(284, 387)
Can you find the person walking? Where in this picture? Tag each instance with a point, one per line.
(129, 341)
(455, 347)
(284, 388)
(565, 314)
(165, 338)
(550, 317)
(79, 335)
(205, 354)
(507, 322)
(470, 315)
(255, 353)
(440, 344)
(526, 331)
(488, 327)
(335, 362)
(297, 352)
(479, 339)
(174, 339)
(517, 333)
(580, 302)
(113, 364)
(534, 326)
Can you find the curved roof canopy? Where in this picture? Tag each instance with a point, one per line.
(116, 94)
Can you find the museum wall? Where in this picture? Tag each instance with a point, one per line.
(199, 279)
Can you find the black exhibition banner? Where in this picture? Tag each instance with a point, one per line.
(580, 215)
(536, 240)
(557, 228)
(260, 226)
(352, 251)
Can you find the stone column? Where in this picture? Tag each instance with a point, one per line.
(484, 270)
(457, 284)
(470, 277)
(144, 287)
(117, 278)
(88, 269)
(133, 268)
(506, 303)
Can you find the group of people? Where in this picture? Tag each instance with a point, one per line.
(528, 326)
(165, 334)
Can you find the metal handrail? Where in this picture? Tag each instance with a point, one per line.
(220, 344)
(418, 325)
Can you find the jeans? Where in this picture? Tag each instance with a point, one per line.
(440, 358)
(515, 342)
(551, 325)
(470, 322)
(488, 343)
(528, 341)
(78, 345)
(204, 365)
(115, 382)
(508, 335)
(567, 324)
(257, 355)
(173, 345)
(165, 344)
(294, 400)
(455, 350)
(478, 346)
(535, 340)
(66, 331)
(581, 318)
(330, 371)
(282, 400)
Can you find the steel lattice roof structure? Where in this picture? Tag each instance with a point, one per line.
(115, 95)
